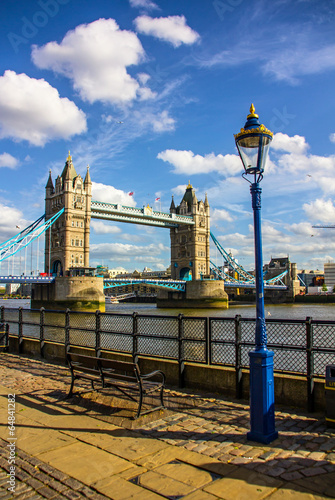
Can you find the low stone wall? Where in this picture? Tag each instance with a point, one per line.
(289, 390)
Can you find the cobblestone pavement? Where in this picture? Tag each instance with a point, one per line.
(303, 455)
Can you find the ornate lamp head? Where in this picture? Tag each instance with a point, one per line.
(253, 142)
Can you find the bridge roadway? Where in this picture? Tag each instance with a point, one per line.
(176, 285)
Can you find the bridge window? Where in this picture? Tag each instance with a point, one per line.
(72, 243)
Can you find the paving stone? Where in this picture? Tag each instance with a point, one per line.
(313, 471)
(48, 492)
(291, 476)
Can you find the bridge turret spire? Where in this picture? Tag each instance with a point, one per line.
(206, 201)
(50, 183)
(172, 206)
(69, 172)
(87, 179)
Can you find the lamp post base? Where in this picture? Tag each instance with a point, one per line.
(262, 414)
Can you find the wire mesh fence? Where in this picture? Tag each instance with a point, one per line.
(303, 347)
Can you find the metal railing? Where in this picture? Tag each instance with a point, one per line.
(301, 347)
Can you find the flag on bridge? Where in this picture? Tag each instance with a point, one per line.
(131, 193)
(157, 199)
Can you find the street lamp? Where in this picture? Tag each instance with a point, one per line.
(253, 143)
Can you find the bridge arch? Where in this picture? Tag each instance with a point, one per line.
(57, 268)
(185, 274)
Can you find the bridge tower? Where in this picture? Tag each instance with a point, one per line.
(190, 244)
(67, 243)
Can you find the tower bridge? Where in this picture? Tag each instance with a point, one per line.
(67, 246)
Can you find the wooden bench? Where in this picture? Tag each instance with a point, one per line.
(123, 375)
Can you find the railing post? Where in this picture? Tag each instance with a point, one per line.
(97, 333)
(135, 337)
(67, 333)
(6, 337)
(2, 314)
(181, 364)
(42, 318)
(20, 333)
(208, 341)
(238, 357)
(310, 364)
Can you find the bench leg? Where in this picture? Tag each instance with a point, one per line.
(71, 388)
(139, 405)
(162, 396)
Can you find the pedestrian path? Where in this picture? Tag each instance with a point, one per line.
(89, 447)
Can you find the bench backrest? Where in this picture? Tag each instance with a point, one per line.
(83, 359)
(122, 370)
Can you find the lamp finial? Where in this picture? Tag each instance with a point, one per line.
(252, 112)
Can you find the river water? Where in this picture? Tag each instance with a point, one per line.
(280, 311)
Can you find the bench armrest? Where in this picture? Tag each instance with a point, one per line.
(152, 374)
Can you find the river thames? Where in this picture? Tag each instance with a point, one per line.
(280, 311)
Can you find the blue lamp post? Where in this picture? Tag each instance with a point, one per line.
(253, 142)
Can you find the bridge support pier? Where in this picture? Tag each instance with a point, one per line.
(78, 293)
(201, 294)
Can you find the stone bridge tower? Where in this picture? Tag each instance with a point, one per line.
(190, 244)
(67, 244)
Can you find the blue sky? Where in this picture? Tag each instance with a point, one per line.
(180, 76)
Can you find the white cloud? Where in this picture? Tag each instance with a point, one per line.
(301, 229)
(143, 78)
(327, 184)
(311, 165)
(7, 160)
(172, 29)
(10, 218)
(109, 194)
(287, 63)
(186, 162)
(145, 93)
(221, 215)
(270, 234)
(163, 122)
(100, 227)
(158, 122)
(144, 4)
(296, 144)
(179, 190)
(300, 60)
(321, 210)
(126, 250)
(95, 57)
(32, 110)
(332, 137)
